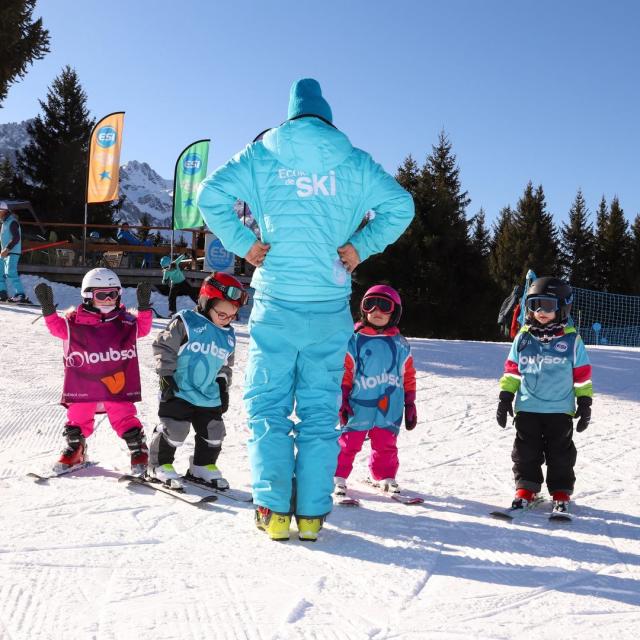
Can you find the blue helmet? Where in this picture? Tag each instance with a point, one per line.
(165, 261)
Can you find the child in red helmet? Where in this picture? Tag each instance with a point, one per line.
(194, 356)
(379, 384)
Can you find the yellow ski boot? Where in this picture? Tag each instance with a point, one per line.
(275, 525)
(308, 528)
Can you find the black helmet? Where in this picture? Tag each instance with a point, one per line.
(554, 289)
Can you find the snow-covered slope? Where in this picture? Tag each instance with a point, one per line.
(85, 557)
(13, 136)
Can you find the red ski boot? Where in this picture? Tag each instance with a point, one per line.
(75, 452)
(139, 451)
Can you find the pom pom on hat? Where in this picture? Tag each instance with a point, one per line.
(306, 98)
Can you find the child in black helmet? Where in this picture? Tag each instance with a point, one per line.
(547, 371)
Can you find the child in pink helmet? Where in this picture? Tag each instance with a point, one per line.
(378, 387)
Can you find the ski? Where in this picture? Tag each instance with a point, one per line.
(346, 501)
(560, 513)
(41, 478)
(231, 494)
(403, 498)
(177, 492)
(512, 514)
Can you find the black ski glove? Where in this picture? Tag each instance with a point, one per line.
(143, 293)
(44, 293)
(504, 406)
(583, 413)
(224, 395)
(168, 388)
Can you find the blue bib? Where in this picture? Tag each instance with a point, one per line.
(207, 349)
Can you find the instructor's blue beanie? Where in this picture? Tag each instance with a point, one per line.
(306, 98)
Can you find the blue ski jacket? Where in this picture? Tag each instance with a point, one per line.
(309, 190)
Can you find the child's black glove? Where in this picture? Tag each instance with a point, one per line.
(44, 293)
(583, 413)
(505, 406)
(224, 395)
(143, 293)
(168, 388)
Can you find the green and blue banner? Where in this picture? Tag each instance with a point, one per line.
(191, 170)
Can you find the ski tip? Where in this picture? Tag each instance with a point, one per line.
(501, 515)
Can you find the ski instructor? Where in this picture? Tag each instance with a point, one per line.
(309, 189)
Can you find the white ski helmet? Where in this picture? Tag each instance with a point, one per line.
(98, 279)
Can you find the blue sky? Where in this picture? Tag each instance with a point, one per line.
(545, 91)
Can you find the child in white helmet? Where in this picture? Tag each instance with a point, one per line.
(101, 373)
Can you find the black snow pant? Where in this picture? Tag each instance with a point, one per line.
(181, 289)
(176, 416)
(544, 437)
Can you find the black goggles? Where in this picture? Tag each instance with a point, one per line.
(377, 302)
(547, 305)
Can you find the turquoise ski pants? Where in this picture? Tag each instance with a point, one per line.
(296, 357)
(9, 272)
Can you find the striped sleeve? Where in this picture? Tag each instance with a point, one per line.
(511, 377)
(582, 384)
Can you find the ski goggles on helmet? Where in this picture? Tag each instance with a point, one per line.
(103, 295)
(385, 305)
(546, 305)
(230, 292)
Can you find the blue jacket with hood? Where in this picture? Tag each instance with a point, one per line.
(309, 189)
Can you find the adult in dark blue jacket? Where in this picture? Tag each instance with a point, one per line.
(309, 189)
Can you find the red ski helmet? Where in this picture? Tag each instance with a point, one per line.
(385, 293)
(221, 286)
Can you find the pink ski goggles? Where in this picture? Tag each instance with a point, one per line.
(383, 304)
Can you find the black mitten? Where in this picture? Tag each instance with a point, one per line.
(583, 413)
(143, 293)
(505, 406)
(224, 394)
(168, 387)
(44, 293)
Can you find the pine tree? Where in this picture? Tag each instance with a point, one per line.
(22, 41)
(51, 169)
(7, 178)
(504, 266)
(618, 245)
(577, 246)
(536, 242)
(435, 265)
(480, 236)
(602, 266)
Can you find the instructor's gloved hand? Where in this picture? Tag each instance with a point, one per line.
(44, 293)
(410, 411)
(168, 388)
(143, 293)
(505, 406)
(345, 407)
(583, 413)
(224, 394)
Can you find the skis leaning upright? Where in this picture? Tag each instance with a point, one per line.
(176, 491)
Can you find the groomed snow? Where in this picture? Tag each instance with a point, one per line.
(84, 557)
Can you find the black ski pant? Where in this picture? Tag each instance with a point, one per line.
(544, 437)
(176, 416)
(181, 289)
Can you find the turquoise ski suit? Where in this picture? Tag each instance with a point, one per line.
(308, 189)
